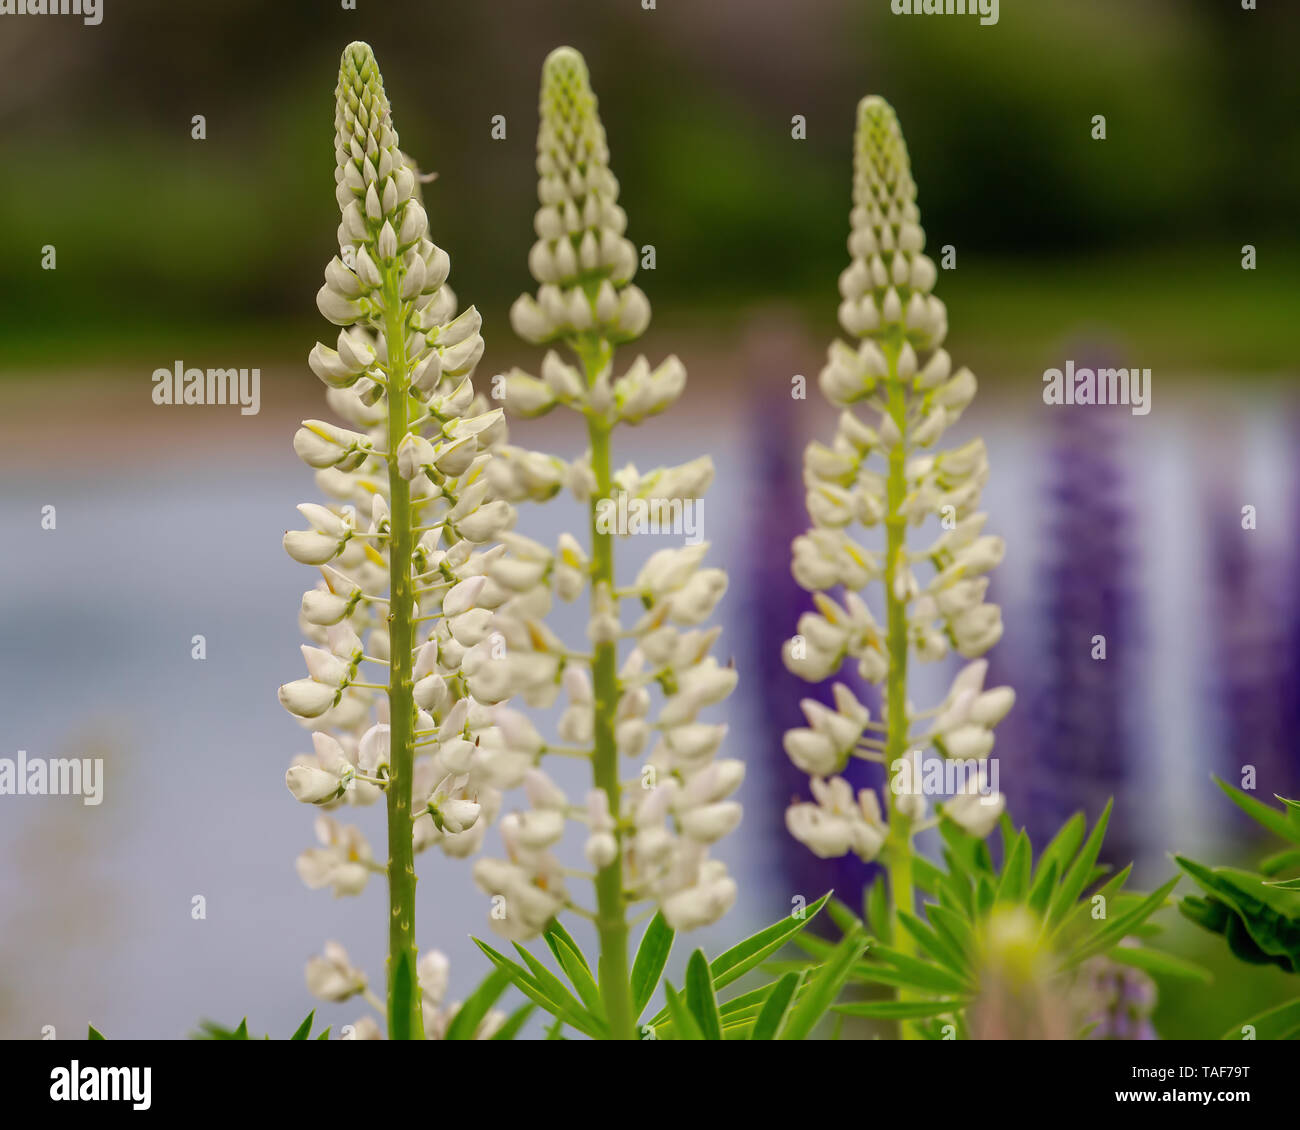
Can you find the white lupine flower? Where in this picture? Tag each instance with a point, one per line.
(332, 976)
(899, 374)
(314, 785)
(420, 525)
(341, 863)
(583, 264)
(975, 810)
(307, 698)
(704, 902)
(668, 570)
(601, 848)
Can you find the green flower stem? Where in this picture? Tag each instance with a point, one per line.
(898, 849)
(405, 1017)
(611, 916)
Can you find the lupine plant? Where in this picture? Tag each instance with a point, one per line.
(647, 838)
(402, 549)
(902, 376)
(988, 931)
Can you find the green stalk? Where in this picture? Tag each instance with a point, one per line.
(405, 1017)
(898, 849)
(611, 906)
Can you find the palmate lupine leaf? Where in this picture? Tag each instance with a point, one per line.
(1260, 920)
(547, 992)
(699, 1001)
(1257, 913)
(824, 986)
(1057, 892)
(787, 1009)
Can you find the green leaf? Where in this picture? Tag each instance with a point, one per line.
(776, 1007)
(241, 1033)
(925, 875)
(684, 1026)
(324, 1035)
(921, 974)
(1062, 847)
(554, 987)
(555, 928)
(1076, 878)
(935, 946)
(955, 929)
(565, 1009)
(842, 916)
(470, 1014)
(1015, 871)
(303, 1031)
(824, 987)
(94, 1033)
(1275, 821)
(405, 996)
(971, 854)
(877, 908)
(1110, 891)
(741, 958)
(901, 1010)
(956, 891)
(1159, 963)
(651, 957)
(515, 1022)
(754, 950)
(575, 968)
(699, 996)
(1119, 927)
(1044, 886)
(1279, 1023)
(813, 946)
(1282, 861)
(1269, 915)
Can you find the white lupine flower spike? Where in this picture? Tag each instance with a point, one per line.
(648, 840)
(898, 394)
(403, 547)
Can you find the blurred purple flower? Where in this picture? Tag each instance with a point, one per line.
(772, 604)
(1078, 745)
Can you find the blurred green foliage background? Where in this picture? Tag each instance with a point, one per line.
(165, 241)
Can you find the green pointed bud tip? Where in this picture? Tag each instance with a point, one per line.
(565, 67)
(880, 137)
(874, 113)
(358, 56)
